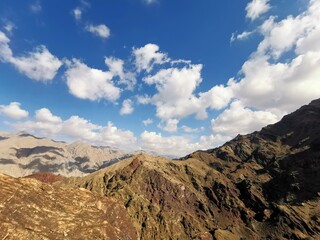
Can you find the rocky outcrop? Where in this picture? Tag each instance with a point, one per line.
(30, 209)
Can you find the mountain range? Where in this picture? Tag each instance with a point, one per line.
(22, 154)
(263, 185)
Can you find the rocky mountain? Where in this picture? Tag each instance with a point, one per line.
(23, 154)
(264, 185)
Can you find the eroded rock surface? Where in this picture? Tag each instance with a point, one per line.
(30, 209)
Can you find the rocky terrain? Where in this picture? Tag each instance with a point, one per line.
(30, 209)
(23, 154)
(264, 185)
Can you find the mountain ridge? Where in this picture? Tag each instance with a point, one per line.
(23, 154)
(264, 185)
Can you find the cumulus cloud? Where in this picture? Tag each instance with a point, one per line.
(188, 129)
(116, 67)
(281, 86)
(177, 146)
(147, 122)
(80, 128)
(241, 120)
(127, 107)
(100, 30)
(175, 86)
(13, 110)
(76, 128)
(113, 136)
(170, 125)
(39, 65)
(170, 146)
(270, 87)
(149, 55)
(90, 83)
(44, 115)
(256, 8)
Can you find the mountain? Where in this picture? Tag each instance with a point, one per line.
(264, 185)
(22, 154)
(30, 209)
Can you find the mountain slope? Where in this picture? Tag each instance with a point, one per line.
(23, 154)
(30, 209)
(264, 185)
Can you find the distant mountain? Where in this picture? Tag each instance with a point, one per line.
(22, 154)
(264, 185)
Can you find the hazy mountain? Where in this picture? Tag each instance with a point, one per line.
(23, 154)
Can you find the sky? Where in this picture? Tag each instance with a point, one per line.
(163, 76)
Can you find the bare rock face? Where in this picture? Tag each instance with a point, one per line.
(30, 209)
(265, 185)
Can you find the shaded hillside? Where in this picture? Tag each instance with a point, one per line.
(265, 185)
(30, 209)
(24, 154)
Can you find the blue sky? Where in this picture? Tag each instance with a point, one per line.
(163, 76)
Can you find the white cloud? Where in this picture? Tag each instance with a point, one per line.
(146, 57)
(256, 8)
(127, 107)
(170, 146)
(178, 146)
(77, 13)
(113, 136)
(145, 99)
(212, 141)
(36, 7)
(175, 98)
(147, 122)
(188, 129)
(281, 86)
(169, 125)
(44, 115)
(217, 97)
(268, 84)
(116, 67)
(13, 111)
(100, 30)
(81, 129)
(240, 37)
(9, 26)
(39, 65)
(5, 51)
(77, 128)
(90, 83)
(241, 120)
